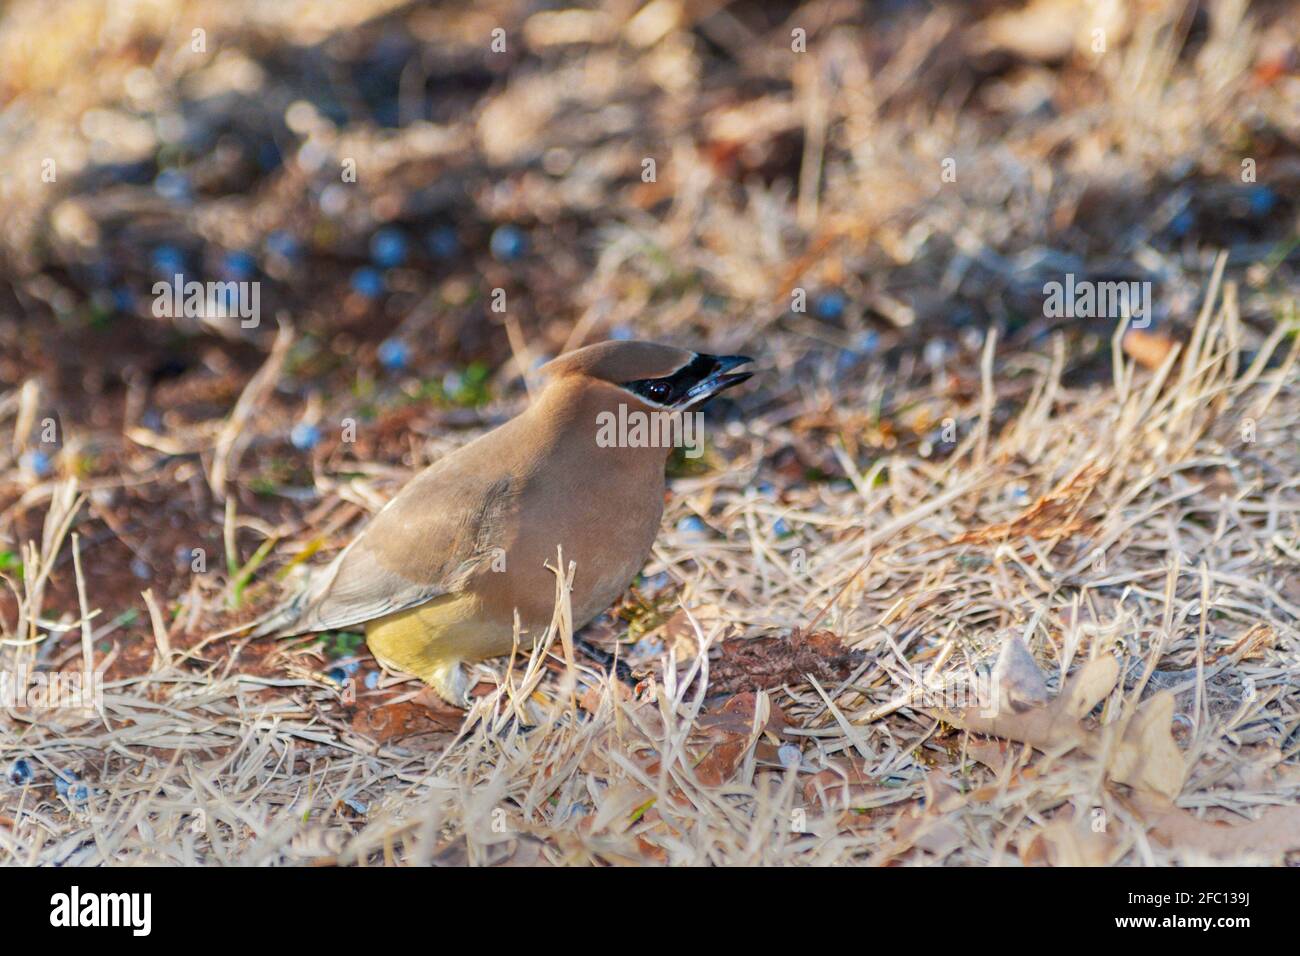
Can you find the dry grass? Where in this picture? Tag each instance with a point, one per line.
(1196, 594)
(1134, 527)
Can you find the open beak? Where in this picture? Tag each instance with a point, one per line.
(718, 378)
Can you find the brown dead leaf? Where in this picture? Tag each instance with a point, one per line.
(510, 123)
(1274, 833)
(651, 852)
(1054, 515)
(1089, 686)
(847, 782)
(1053, 726)
(994, 754)
(737, 715)
(591, 698)
(1070, 842)
(405, 719)
(1148, 349)
(761, 663)
(725, 737)
(721, 760)
(1251, 644)
(1147, 758)
(928, 828)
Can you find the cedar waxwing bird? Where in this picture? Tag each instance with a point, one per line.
(439, 574)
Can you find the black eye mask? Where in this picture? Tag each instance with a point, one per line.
(701, 378)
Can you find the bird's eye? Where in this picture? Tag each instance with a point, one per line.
(658, 391)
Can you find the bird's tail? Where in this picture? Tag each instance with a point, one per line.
(293, 615)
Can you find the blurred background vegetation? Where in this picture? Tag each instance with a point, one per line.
(142, 139)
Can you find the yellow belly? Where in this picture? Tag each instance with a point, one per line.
(427, 639)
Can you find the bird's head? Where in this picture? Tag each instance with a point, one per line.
(659, 376)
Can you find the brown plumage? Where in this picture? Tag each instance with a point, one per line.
(440, 572)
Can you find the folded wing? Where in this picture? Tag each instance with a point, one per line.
(439, 531)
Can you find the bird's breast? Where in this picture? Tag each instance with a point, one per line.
(605, 526)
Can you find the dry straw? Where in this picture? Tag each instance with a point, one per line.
(1152, 542)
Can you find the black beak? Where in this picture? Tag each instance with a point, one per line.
(718, 377)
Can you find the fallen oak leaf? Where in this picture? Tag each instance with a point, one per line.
(1275, 832)
(1052, 726)
(721, 760)
(1147, 758)
(1090, 685)
(410, 718)
(729, 735)
(992, 753)
(1139, 752)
